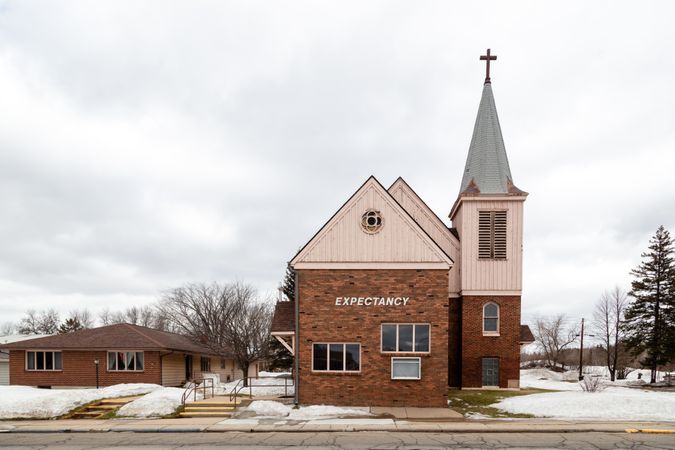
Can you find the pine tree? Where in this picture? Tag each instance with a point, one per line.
(289, 284)
(649, 319)
(69, 325)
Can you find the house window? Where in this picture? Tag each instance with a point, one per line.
(490, 371)
(222, 363)
(406, 368)
(205, 364)
(491, 319)
(491, 234)
(336, 357)
(405, 338)
(49, 360)
(126, 361)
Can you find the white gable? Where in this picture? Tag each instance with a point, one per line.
(430, 222)
(401, 242)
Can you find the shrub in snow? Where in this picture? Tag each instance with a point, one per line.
(591, 384)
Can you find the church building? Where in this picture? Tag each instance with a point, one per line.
(393, 306)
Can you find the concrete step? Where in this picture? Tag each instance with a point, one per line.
(204, 414)
(212, 403)
(197, 409)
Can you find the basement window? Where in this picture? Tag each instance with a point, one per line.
(491, 234)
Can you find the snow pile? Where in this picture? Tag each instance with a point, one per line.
(158, 403)
(23, 402)
(262, 386)
(548, 379)
(611, 403)
(270, 409)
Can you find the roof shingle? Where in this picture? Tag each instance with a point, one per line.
(284, 317)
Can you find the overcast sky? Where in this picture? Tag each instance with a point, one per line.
(144, 145)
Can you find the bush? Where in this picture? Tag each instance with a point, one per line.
(591, 384)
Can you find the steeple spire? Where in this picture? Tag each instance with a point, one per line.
(487, 166)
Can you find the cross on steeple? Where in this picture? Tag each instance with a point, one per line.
(487, 58)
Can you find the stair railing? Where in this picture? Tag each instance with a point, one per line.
(200, 384)
(238, 387)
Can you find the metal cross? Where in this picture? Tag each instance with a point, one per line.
(487, 58)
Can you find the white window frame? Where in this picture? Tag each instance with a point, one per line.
(108, 369)
(344, 357)
(419, 372)
(44, 361)
(397, 351)
(491, 333)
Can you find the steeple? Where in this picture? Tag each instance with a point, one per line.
(487, 167)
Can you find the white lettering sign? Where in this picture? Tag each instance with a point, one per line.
(371, 301)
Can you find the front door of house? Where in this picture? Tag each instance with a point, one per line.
(490, 371)
(188, 367)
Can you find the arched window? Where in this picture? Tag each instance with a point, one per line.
(491, 318)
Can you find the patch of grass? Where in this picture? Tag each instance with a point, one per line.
(479, 401)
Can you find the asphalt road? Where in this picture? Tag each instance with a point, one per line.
(354, 440)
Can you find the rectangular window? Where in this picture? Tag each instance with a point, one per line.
(405, 338)
(490, 371)
(125, 361)
(336, 357)
(492, 234)
(205, 364)
(46, 361)
(406, 368)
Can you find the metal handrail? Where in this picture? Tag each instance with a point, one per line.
(234, 393)
(196, 386)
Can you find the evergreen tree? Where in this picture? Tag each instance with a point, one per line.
(649, 319)
(280, 357)
(289, 284)
(70, 324)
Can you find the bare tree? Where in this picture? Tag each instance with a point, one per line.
(607, 322)
(43, 322)
(146, 316)
(7, 328)
(83, 316)
(227, 318)
(553, 336)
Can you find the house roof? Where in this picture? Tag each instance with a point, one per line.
(487, 168)
(117, 336)
(284, 317)
(526, 336)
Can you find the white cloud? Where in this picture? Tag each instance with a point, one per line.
(147, 144)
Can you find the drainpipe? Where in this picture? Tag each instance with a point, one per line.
(297, 339)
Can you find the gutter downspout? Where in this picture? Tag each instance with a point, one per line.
(297, 341)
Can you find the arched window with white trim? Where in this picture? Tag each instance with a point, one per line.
(490, 318)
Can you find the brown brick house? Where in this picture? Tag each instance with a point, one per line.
(393, 306)
(125, 354)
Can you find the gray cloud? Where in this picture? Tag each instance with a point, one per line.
(147, 144)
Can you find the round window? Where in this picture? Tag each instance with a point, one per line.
(371, 221)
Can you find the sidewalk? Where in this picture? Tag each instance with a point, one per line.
(267, 425)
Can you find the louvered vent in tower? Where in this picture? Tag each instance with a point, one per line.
(492, 234)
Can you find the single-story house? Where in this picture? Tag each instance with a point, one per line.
(4, 354)
(120, 353)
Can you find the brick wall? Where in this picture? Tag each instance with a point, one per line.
(322, 321)
(475, 346)
(79, 371)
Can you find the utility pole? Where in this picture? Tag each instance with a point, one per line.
(581, 351)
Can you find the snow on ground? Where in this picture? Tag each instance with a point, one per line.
(24, 402)
(271, 409)
(263, 386)
(611, 403)
(548, 379)
(158, 403)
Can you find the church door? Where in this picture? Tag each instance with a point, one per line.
(490, 371)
